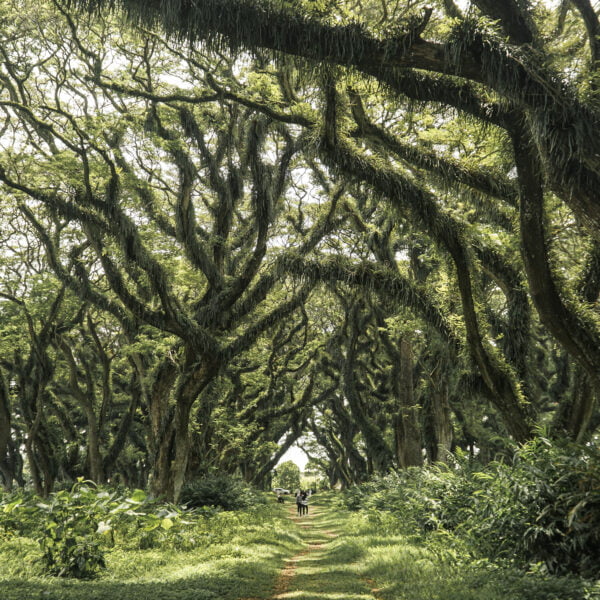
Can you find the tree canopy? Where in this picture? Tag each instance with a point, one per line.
(226, 224)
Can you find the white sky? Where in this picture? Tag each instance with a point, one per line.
(296, 455)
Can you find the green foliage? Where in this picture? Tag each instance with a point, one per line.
(205, 554)
(18, 515)
(542, 511)
(442, 566)
(75, 527)
(223, 491)
(287, 476)
(544, 508)
(68, 542)
(68, 553)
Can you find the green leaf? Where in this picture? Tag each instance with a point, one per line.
(137, 497)
(12, 506)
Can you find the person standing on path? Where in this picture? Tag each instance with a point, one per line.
(299, 502)
(304, 502)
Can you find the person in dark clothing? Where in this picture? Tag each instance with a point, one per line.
(299, 502)
(304, 503)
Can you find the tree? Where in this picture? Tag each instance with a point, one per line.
(287, 475)
(379, 225)
(518, 87)
(166, 205)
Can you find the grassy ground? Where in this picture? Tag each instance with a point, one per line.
(350, 556)
(326, 566)
(400, 567)
(246, 564)
(274, 555)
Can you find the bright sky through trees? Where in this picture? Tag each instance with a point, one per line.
(296, 455)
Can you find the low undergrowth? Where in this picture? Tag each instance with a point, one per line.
(96, 543)
(401, 563)
(539, 513)
(440, 566)
(221, 491)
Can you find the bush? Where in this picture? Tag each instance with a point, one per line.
(68, 543)
(19, 515)
(421, 498)
(74, 527)
(544, 508)
(541, 511)
(223, 491)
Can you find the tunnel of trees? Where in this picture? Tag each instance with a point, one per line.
(229, 224)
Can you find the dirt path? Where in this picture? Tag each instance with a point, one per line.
(323, 569)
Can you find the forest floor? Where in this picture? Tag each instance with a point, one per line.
(272, 554)
(346, 556)
(324, 568)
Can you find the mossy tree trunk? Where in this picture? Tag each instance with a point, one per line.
(5, 426)
(438, 415)
(407, 426)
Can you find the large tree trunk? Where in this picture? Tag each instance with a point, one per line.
(5, 421)
(85, 398)
(137, 394)
(378, 450)
(33, 378)
(12, 466)
(351, 467)
(160, 433)
(406, 422)
(440, 415)
(171, 425)
(94, 457)
(575, 412)
(584, 402)
(181, 447)
(40, 455)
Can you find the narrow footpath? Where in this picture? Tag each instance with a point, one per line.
(322, 570)
(348, 556)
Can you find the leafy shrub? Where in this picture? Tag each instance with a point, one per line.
(541, 511)
(68, 543)
(19, 515)
(74, 527)
(422, 498)
(224, 491)
(544, 508)
(67, 554)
